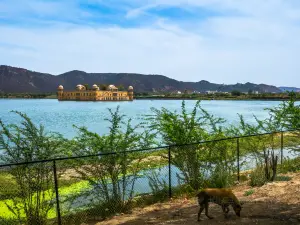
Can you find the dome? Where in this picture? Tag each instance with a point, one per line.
(130, 88)
(60, 87)
(79, 87)
(112, 87)
(95, 87)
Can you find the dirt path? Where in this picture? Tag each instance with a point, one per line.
(275, 203)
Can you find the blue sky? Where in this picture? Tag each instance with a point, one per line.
(222, 41)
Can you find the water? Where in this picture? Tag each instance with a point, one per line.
(61, 116)
(142, 186)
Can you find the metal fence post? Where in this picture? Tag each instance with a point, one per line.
(281, 143)
(170, 178)
(57, 194)
(238, 158)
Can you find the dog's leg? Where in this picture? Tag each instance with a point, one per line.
(225, 209)
(200, 211)
(206, 211)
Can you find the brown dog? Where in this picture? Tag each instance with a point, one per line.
(221, 196)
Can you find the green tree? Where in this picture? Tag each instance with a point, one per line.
(112, 176)
(236, 93)
(184, 128)
(86, 86)
(103, 87)
(121, 87)
(33, 182)
(286, 116)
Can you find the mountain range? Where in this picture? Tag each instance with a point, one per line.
(295, 89)
(19, 80)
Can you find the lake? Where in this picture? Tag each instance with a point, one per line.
(61, 116)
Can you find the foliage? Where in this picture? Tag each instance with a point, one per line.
(33, 182)
(236, 93)
(286, 116)
(4, 221)
(249, 192)
(283, 178)
(103, 87)
(257, 176)
(289, 165)
(159, 187)
(28, 95)
(113, 176)
(87, 87)
(221, 177)
(184, 128)
(121, 88)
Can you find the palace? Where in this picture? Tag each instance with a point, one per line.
(95, 94)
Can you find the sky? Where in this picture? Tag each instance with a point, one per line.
(222, 41)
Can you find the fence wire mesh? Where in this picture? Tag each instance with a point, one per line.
(27, 194)
(89, 189)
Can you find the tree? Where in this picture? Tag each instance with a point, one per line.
(286, 116)
(103, 87)
(86, 86)
(185, 128)
(121, 87)
(33, 182)
(236, 93)
(113, 176)
(250, 92)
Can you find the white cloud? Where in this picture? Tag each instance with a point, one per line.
(261, 46)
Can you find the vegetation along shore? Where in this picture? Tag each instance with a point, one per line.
(235, 95)
(84, 187)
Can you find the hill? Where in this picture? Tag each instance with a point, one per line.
(19, 80)
(289, 89)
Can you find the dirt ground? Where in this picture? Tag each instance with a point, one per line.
(274, 203)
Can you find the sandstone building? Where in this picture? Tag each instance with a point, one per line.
(95, 94)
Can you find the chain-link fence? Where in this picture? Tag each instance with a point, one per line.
(86, 189)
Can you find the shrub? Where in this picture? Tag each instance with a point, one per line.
(283, 178)
(33, 182)
(257, 176)
(289, 165)
(159, 186)
(184, 128)
(221, 177)
(112, 177)
(249, 192)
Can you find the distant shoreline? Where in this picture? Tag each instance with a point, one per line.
(234, 96)
(173, 98)
(217, 98)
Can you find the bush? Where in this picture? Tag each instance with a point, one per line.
(289, 165)
(221, 177)
(159, 187)
(283, 178)
(30, 195)
(249, 192)
(257, 176)
(183, 128)
(111, 178)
